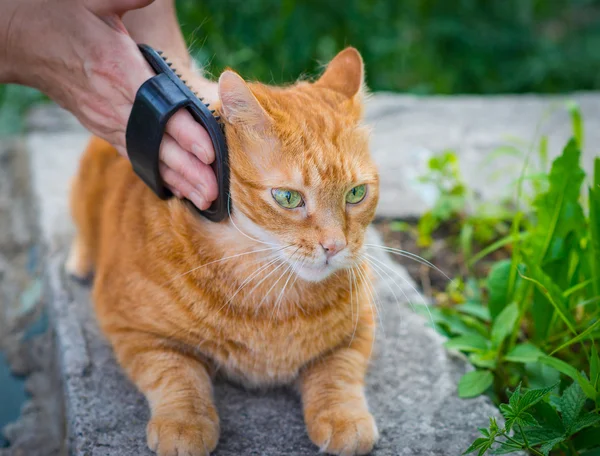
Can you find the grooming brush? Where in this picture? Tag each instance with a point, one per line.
(155, 102)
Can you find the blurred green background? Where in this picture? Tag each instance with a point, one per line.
(414, 46)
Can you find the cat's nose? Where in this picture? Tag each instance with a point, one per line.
(332, 246)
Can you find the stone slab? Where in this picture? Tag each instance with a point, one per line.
(411, 386)
(408, 130)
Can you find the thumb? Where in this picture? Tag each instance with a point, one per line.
(112, 7)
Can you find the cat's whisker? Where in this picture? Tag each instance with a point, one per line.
(377, 269)
(294, 283)
(223, 259)
(373, 259)
(277, 301)
(369, 284)
(377, 302)
(277, 281)
(252, 275)
(352, 280)
(236, 227)
(266, 277)
(371, 306)
(412, 256)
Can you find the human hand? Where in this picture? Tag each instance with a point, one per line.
(82, 57)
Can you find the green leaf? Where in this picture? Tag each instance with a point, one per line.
(594, 367)
(533, 396)
(515, 397)
(504, 323)
(587, 438)
(509, 239)
(558, 210)
(570, 371)
(475, 309)
(515, 412)
(487, 360)
(571, 403)
(576, 339)
(479, 444)
(456, 324)
(466, 240)
(474, 383)
(576, 122)
(507, 448)
(552, 293)
(584, 421)
(524, 353)
(594, 198)
(548, 418)
(497, 285)
(468, 343)
(525, 419)
(541, 375)
(514, 417)
(592, 452)
(549, 446)
(539, 435)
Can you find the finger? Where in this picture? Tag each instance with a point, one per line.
(191, 136)
(197, 174)
(118, 7)
(181, 188)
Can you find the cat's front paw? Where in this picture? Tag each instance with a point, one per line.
(343, 431)
(194, 436)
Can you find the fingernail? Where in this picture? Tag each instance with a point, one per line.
(198, 201)
(200, 152)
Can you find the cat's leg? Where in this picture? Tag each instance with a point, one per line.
(80, 261)
(335, 408)
(178, 387)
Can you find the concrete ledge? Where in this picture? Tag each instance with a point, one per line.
(411, 387)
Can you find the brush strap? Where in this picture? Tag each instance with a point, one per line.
(155, 103)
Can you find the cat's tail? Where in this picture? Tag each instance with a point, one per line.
(88, 191)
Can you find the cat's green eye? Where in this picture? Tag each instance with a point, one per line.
(290, 199)
(357, 194)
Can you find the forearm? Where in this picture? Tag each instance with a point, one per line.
(157, 26)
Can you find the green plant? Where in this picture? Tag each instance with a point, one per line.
(539, 423)
(468, 220)
(536, 315)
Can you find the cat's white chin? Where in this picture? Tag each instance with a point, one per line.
(315, 273)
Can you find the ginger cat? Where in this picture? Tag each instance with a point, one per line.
(276, 294)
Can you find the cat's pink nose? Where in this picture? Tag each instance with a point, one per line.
(333, 246)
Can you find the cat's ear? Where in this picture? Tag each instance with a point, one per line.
(238, 103)
(345, 73)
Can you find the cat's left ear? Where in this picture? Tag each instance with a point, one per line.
(238, 103)
(345, 73)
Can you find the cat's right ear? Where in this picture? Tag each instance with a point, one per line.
(238, 103)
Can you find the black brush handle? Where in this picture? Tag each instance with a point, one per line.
(155, 103)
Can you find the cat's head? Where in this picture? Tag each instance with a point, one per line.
(302, 177)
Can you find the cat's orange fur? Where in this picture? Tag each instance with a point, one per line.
(180, 297)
